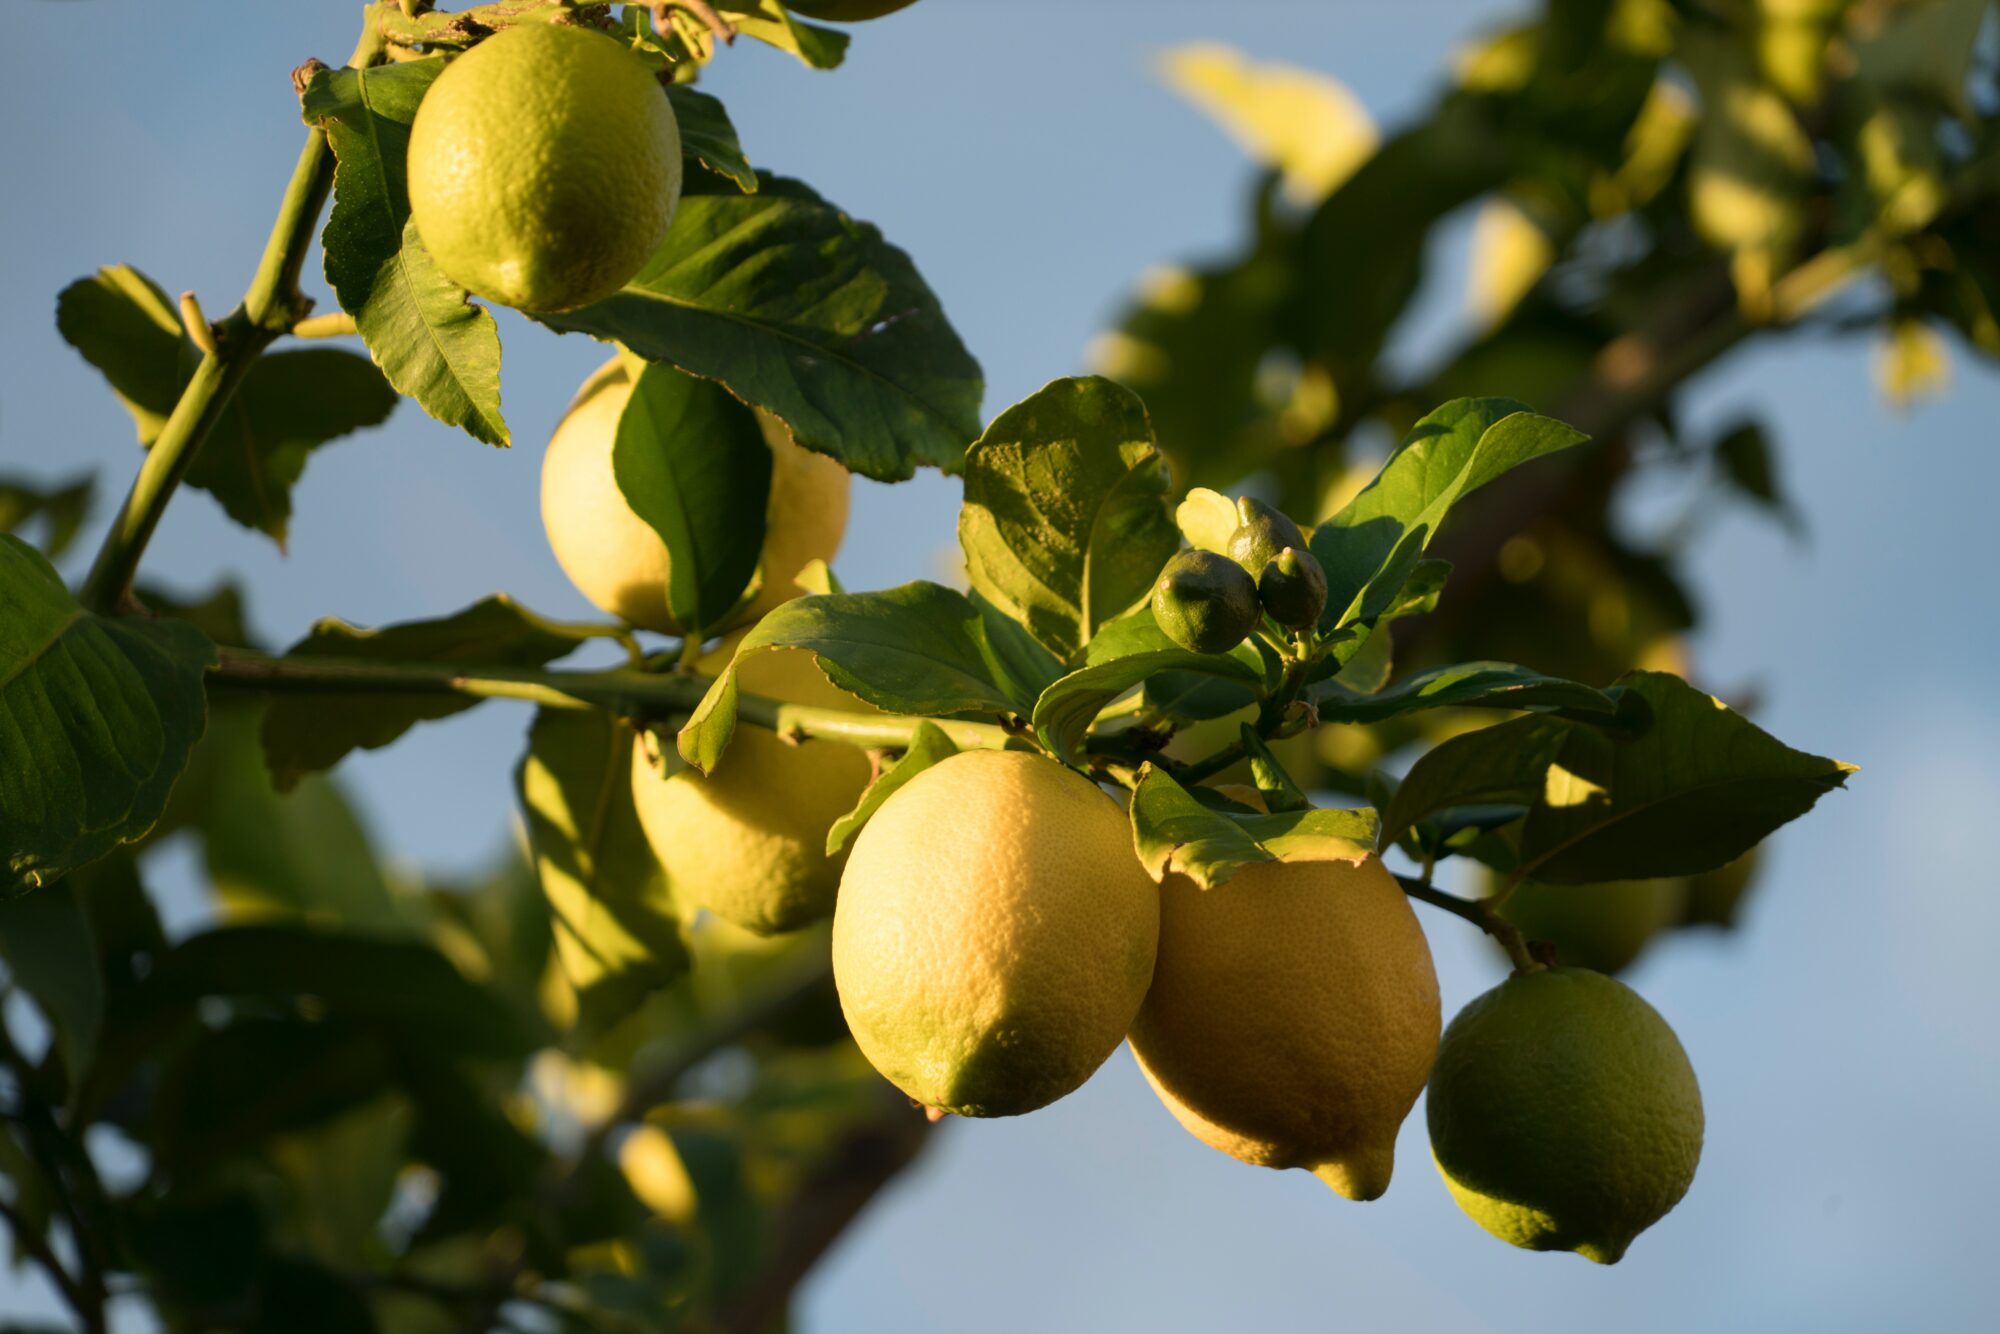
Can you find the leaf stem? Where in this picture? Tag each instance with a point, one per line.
(271, 305)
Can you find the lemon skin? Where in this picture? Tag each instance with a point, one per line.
(619, 562)
(748, 841)
(994, 934)
(1563, 1113)
(544, 167)
(1293, 1017)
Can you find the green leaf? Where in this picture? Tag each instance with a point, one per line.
(289, 403)
(403, 984)
(708, 136)
(1749, 465)
(1697, 788)
(1485, 685)
(808, 314)
(617, 932)
(1129, 652)
(308, 733)
(1066, 522)
(1280, 793)
(51, 953)
(1503, 765)
(1207, 519)
(920, 649)
(1371, 548)
(692, 462)
(1175, 833)
(927, 747)
(768, 21)
(429, 339)
(97, 716)
(61, 509)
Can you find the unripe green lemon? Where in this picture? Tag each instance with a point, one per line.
(1564, 1114)
(848, 11)
(1205, 602)
(618, 561)
(1293, 1017)
(748, 841)
(994, 934)
(1262, 533)
(544, 167)
(1293, 588)
(1601, 927)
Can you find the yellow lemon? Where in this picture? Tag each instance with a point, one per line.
(1564, 1114)
(616, 559)
(1293, 1017)
(544, 167)
(994, 934)
(748, 841)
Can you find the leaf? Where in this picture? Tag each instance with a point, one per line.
(1700, 786)
(51, 953)
(1301, 122)
(617, 932)
(289, 403)
(808, 314)
(919, 649)
(927, 747)
(692, 462)
(708, 136)
(1371, 547)
(1503, 765)
(1487, 685)
(309, 733)
(60, 508)
(429, 339)
(1066, 522)
(1280, 793)
(1749, 465)
(1174, 833)
(1130, 651)
(97, 716)
(405, 985)
(1207, 519)
(768, 22)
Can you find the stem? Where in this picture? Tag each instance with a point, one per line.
(271, 304)
(334, 324)
(1481, 914)
(36, 1247)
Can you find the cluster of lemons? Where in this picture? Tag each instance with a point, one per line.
(995, 937)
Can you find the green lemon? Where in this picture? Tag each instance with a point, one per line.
(544, 166)
(1205, 602)
(1293, 588)
(1261, 534)
(1563, 1113)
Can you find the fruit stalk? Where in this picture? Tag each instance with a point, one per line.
(271, 304)
(1480, 914)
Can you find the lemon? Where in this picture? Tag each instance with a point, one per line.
(1564, 1114)
(748, 841)
(618, 561)
(994, 934)
(1293, 1017)
(1601, 927)
(544, 166)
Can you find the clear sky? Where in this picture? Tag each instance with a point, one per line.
(1025, 155)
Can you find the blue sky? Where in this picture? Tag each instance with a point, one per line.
(1027, 158)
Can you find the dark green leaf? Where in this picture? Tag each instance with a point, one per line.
(1175, 833)
(1370, 549)
(927, 747)
(919, 649)
(1745, 456)
(51, 953)
(709, 138)
(1127, 653)
(1280, 793)
(60, 508)
(1066, 521)
(1485, 685)
(1504, 765)
(808, 314)
(309, 733)
(1696, 789)
(769, 22)
(617, 932)
(429, 339)
(692, 462)
(127, 328)
(97, 716)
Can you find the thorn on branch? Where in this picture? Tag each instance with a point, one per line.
(197, 325)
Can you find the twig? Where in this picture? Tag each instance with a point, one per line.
(723, 30)
(36, 1248)
(1481, 914)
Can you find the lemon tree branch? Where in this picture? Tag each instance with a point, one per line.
(1479, 913)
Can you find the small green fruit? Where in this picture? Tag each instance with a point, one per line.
(1293, 588)
(1206, 603)
(1262, 533)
